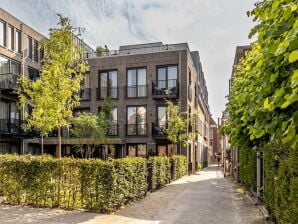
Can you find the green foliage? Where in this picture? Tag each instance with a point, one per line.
(177, 124)
(53, 96)
(263, 102)
(161, 173)
(97, 185)
(180, 165)
(248, 167)
(281, 182)
(100, 51)
(72, 183)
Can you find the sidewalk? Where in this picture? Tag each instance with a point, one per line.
(203, 198)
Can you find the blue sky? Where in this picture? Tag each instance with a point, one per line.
(213, 27)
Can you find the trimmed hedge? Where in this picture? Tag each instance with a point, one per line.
(93, 184)
(180, 166)
(97, 185)
(281, 182)
(248, 168)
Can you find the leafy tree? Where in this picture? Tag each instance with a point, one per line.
(61, 77)
(92, 127)
(263, 103)
(100, 51)
(42, 115)
(177, 124)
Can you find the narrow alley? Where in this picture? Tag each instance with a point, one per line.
(203, 198)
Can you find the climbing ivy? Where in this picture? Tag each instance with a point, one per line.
(263, 101)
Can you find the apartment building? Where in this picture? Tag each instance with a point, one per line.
(214, 142)
(140, 78)
(19, 55)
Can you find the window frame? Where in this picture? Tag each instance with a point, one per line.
(136, 121)
(108, 90)
(137, 80)
(167, 71)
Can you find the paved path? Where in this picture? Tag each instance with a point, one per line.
(203, 198)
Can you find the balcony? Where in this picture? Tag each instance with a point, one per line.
(165, 89)
(113, 130)
(13, 126)
(104, 92)
(159, 130)
(85, 94)
(137, 91)
(9, 82)
(136, 129)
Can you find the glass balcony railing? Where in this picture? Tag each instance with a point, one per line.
(159, 129)
(104, 92)
(136, 91)
(14, 126)
(113, 130)
(165, 88)
(136, 129)
(9, 81)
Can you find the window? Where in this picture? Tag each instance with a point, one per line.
(136, 120)
(162, 116)
(113, 130)
(2, 33)
(166, 150)
(18, 47)
(108, 86)
(10, 38)
(35, 51)
(76, 111)
(136, 82)
(134, 150)
(8, 66)
(33, 74)
(29, 47)
(167, 79)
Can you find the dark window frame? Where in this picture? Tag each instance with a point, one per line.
(137, 85)
(18, 46)
(136, 123)
(30, 47)
(11, 41)
(108, 87)
(166, 66)
(137, 148)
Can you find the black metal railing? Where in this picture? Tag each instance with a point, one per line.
(113, 130)
(159, 129)
(136, 91)
(168, 88)
(136, 129)
(85, 94)
(14, 126)
(9, 81)
(104, 92)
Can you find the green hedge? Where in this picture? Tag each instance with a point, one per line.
(180, 166)
(93, 184)
(281, 182)
(72, 183)
(248, 167)
(161, 169)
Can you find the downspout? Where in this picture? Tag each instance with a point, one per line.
(180, 150)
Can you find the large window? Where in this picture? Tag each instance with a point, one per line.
(136, 82)
(108, 84)
(29, 47)
(136, 120)
(2, 33)
(10, 38)
(161, 121)
(113, 130)
(8, 66)
(167, 77)
(35, 51)
(134, 150)
(18, 47)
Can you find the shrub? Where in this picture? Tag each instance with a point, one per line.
(93, 184)
(180, 166)
(281, 182)
(161, 173)
(248, 167)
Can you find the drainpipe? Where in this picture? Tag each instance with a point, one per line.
(23, 74)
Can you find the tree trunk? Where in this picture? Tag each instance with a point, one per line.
(41, 144)
(59, 144)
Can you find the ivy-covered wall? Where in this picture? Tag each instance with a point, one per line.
(248, 168)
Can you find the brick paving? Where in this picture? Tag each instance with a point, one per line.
(203, 198)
